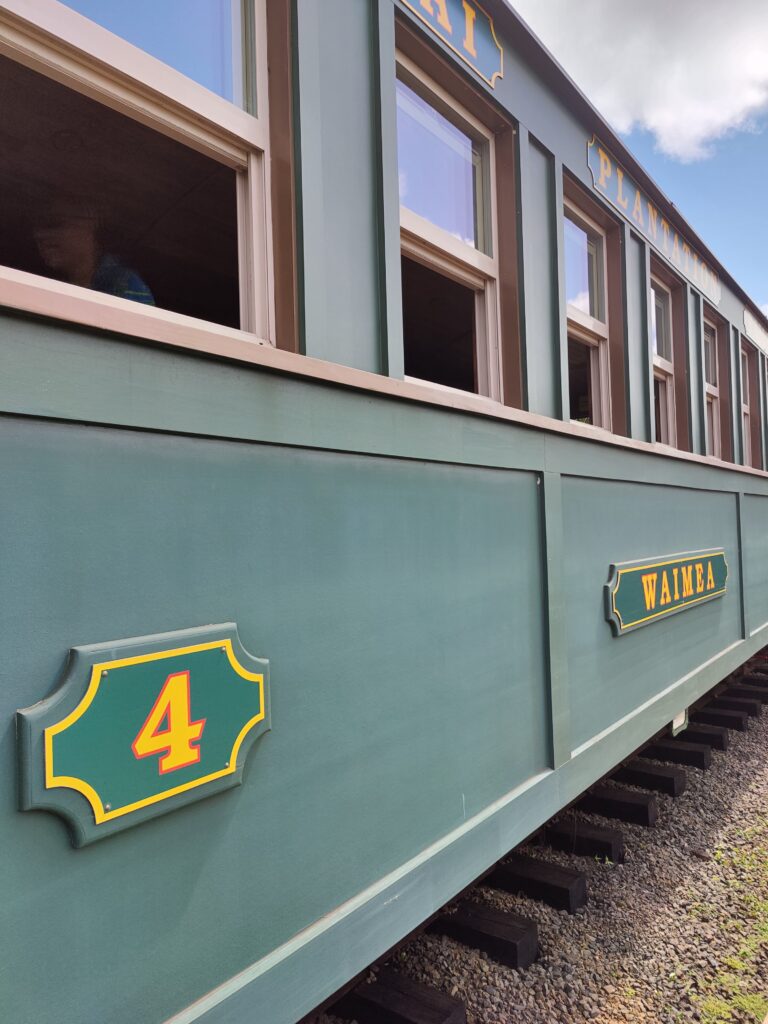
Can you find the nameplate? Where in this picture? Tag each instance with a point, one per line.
(638, 593)
(464, 26)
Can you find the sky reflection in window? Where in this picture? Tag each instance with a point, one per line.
(438, 167)
(201, 38)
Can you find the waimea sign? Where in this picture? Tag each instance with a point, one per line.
(641, 592)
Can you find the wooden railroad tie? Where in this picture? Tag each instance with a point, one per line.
(730, 702)
(755, 678)
(679, 752)
(715, 736)
(749, 692)
(624, 804)
(572, 835)
(504, 936)
(560, 887)
(394, 999)
(662, 778)
(730, 719)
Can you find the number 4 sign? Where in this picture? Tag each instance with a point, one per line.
(177, 741)
(142, 726)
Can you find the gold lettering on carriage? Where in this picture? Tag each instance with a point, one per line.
(684, 587)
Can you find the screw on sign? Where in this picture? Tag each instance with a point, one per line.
(175, 724)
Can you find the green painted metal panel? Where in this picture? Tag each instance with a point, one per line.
(641, 593)
(755, 541)
(539, 301)
(696, 372)
(337, 149)
(734, 351)
(604, 523)
(637, 339)
(399, 605)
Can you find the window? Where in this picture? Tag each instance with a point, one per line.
(712, 390)
(449, 261)
(750, 404)
(663, 363)
(201, 38)
(133, 179)
(587, 311)
(745, 407)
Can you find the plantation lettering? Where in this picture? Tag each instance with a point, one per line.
(611, 180)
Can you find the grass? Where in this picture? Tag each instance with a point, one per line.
(730, 996)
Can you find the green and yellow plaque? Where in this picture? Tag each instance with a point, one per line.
(641, 592)
(140, 727)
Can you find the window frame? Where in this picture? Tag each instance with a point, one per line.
(56, 41)
(750, 403)
(589, 330)
(438, 250)
(664, 369)
(712, 395)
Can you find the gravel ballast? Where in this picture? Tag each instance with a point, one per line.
(677, 933)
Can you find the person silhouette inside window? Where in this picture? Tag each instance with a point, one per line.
(67, 236)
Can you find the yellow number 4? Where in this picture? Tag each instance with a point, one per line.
(177, 742)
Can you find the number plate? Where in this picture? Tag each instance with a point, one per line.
(142, 726)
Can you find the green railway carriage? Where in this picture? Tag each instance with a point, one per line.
(383, 460)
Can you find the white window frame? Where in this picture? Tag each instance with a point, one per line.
(712, 397)
(590, 330)
(746, 419)
(438, 250)
(664, 370)
(58, 42)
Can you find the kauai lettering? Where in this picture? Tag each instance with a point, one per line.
(465, 27)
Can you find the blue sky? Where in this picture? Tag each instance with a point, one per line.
(686, 85)
(723, 197)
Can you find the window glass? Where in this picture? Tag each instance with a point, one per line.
(710, 354)
(744, 378)
(661, 326)
(201, 38)
(440, 169)
(583, 269)
(95, 199)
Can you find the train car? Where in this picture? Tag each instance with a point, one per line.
(383, 461)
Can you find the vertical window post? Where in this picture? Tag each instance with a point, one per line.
(712, 391)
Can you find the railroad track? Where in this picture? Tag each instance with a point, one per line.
(627, 797)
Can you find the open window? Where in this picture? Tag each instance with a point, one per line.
(712, 390)
(135, 160)
(594, 311)
(668, 351)
(449, 250)
(750, 405)
(585, 293)
(717, 387)
(663, 363)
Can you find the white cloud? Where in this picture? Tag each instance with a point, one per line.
(687, 71)
(764, 309)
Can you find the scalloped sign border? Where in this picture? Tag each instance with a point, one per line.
(78, 751)
(641, 592)
(466, 29)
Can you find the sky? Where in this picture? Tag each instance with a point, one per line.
(685, 84)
